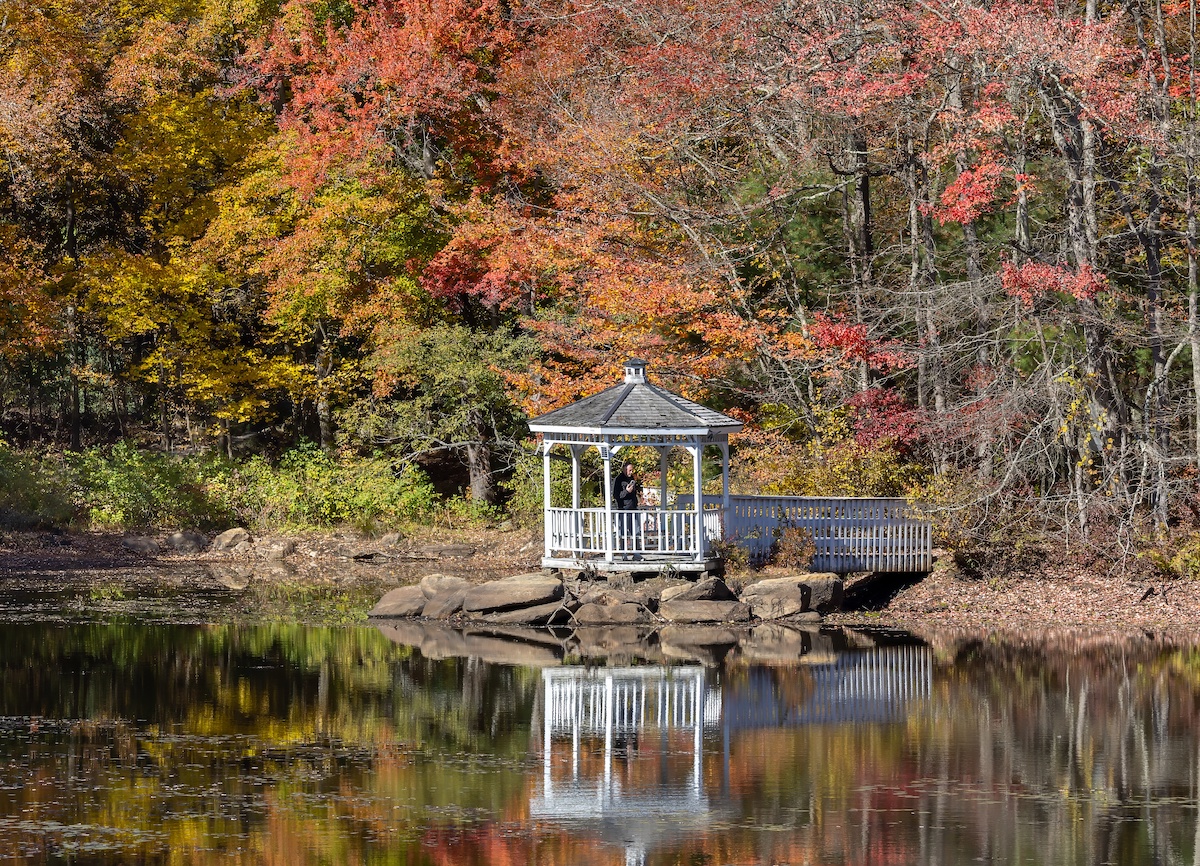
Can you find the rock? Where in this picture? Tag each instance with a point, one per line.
(142, 544)
(609, 595)
(787, 596)
(506, 652)
(235, 577)
(784, 601)
(445, 604)
(230, 538)
(435, 584)
(187, 541)
(627, 613)
(275, 549)
(403, 601)
(538, 614)
(708, 589)
(447, 551)
(242, 547)
(828, 592)
(704, 611)
(522, 590)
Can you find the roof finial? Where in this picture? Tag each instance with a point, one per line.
(635, 371)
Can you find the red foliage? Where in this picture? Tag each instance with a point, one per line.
(882, 417)
(1034, 279)
(971, 194)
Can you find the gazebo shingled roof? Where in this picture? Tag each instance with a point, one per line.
(634, 404)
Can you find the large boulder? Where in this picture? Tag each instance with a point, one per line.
(708, 589)
(275, 549)
(521, 590)
(445, 604)
(230, 538)
(187, 541)
(537, 614)
(627, 613)
(787, 596)
(828, 591)
(704, 611)
(436, 584)
(142, 544)
(782, 598)
(403, 601)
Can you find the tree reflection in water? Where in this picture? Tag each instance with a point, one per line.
(303, 745)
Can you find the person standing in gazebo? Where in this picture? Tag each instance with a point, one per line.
(626, 493)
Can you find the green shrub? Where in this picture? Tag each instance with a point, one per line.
(311, 489)
(33, 492)
(125, 487)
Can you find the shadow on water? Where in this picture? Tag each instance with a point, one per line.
(418, 743)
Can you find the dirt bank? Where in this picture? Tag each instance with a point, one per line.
(947, 600)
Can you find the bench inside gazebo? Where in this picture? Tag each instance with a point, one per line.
(851, 534)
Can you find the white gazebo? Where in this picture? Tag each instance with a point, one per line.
(635, 413)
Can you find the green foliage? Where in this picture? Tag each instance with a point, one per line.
(126, 487)
(310, 488)
(32, 492)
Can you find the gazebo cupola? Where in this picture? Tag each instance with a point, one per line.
(633, 413)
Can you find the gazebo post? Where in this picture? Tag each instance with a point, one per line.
(664, 457)
(697, 450)
(576, 519)
(547, 444)
(606, 455)
(726, 517)
(575, 449)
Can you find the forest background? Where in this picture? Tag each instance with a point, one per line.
(317, 261)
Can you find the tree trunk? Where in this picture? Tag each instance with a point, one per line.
(479, 462)
(323, 367)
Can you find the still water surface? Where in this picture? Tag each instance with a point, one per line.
(124, 742)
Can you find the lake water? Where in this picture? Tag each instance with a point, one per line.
(127, 742)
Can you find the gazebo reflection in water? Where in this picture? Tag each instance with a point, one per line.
(648, 725)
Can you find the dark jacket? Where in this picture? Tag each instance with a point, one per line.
(623, 499)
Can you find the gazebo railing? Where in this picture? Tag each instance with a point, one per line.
(851, 534)
(667, 532)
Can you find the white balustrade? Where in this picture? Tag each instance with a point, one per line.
(653, 532)
(850, 534)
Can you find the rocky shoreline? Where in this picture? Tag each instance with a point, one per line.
(944, 599)
(540, 599)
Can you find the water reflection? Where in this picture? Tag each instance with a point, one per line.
(646, 720)
(155, 744)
